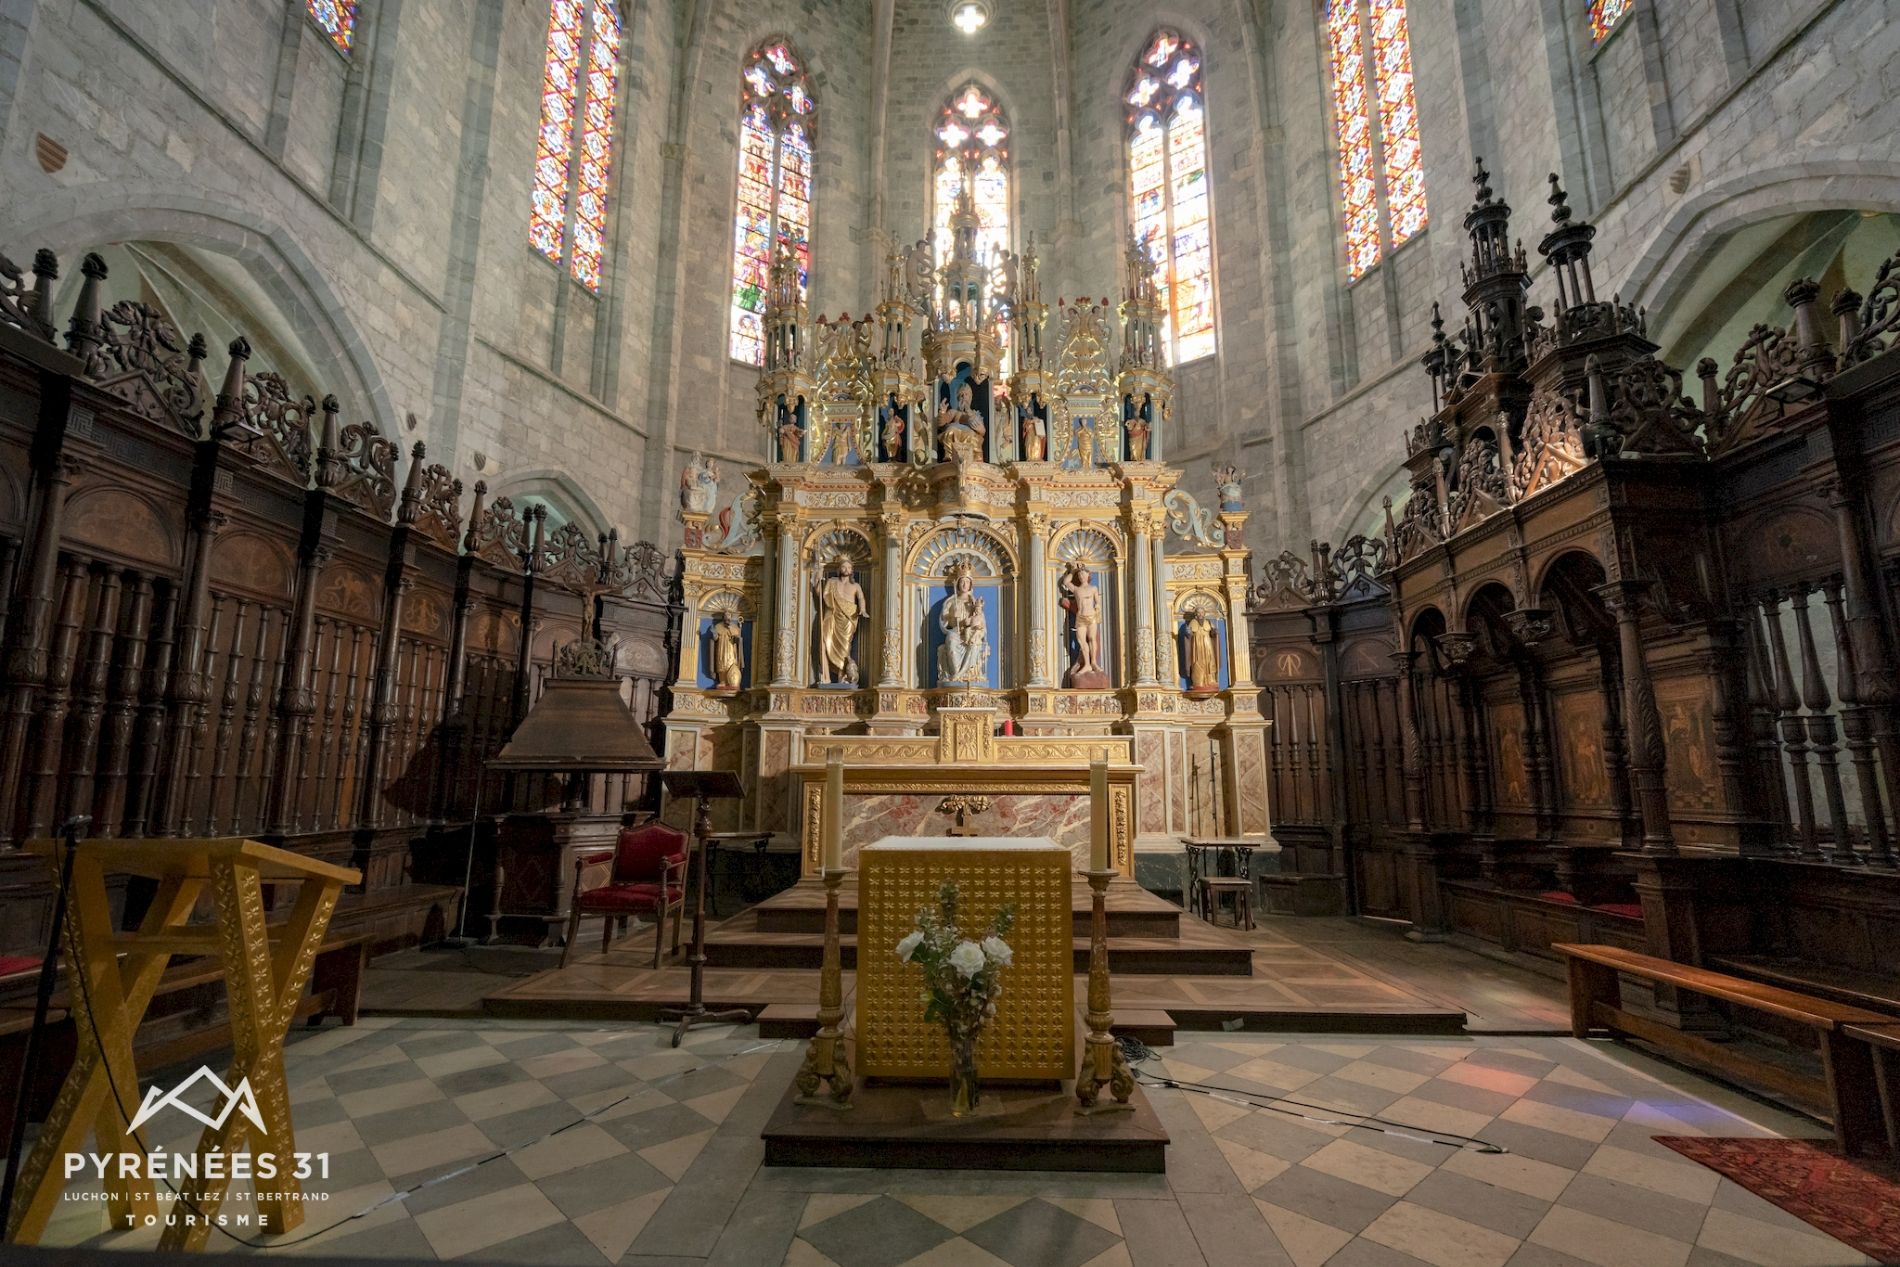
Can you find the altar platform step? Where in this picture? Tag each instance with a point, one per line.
(900, 1126)
(800, 1020)
(1199, 950)
(1132, 910)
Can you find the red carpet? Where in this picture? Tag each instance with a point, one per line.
(1853, 1201)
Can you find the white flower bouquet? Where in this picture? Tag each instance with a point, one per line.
(962, 980)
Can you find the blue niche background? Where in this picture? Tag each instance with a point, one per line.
(707, 680)
(1220, 650)
(990, 595)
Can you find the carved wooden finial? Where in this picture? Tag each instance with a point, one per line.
(1559, 202)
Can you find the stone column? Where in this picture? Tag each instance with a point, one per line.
(1036, 580)
(891, 661)
(1164, 618)
(1625, 601)
(785, 616)
(1144, 600)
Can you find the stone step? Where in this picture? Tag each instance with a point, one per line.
(1158, 956)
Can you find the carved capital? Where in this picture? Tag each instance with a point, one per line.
(1530, 625)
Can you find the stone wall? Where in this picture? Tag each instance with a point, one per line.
(380, 201)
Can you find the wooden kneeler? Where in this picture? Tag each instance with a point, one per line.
(265, 971)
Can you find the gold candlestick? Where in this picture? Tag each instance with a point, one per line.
(825, 1059)
(1102, 1061)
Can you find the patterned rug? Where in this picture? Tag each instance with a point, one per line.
(1853, 1201)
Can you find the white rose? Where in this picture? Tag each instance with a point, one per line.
(997, 951)
(908, 947)
(967, 958)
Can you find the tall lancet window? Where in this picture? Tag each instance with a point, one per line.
(337, 19)
(776, 121)
(1167, 187)
(972, 137)
(1381, 175)
(574, 156)
(1606, 15)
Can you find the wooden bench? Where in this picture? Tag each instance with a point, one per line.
(1846, 1091)
(1883, 1042)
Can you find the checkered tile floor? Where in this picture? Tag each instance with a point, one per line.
(667, 1170)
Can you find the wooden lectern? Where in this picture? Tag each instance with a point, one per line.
(111, 977)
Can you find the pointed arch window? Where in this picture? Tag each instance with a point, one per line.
(972, 135)
(336, 19)
(1168, 188)
(1606, 16)
(1375, 120)
(574, 154)
(777, 120)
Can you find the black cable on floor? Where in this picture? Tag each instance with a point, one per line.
(1138, 1052)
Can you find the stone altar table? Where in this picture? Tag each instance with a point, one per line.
(1032, 1036)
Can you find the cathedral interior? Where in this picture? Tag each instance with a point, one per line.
(547, 545)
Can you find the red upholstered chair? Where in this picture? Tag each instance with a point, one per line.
(643, 874)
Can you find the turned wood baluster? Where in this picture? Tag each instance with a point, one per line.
(1537, 764)
(1793, 733)
(1821, 730)
(355, 712)
(306, 809)
(251, 763)
(1870, 635)
(295, 703)
(49, 738)
(142, 791)
(384, 711)
(446, 793)
(1615, 753)
(89, 696)
(1857, 721)
(108, 808)
(1625, 600)
(227, 715)
(326, 684)
(1470, 741)
(31, 627)
(1410, 745)
(188, 688)
(1315, 756)
(1770, 780)
(9, 568)
(200, 713)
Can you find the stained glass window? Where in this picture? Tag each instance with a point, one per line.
(337, 18)
(1605, 15)
(1381, 175)
(972, 135)
(1167, 179)
(568, 218)
(776, 122)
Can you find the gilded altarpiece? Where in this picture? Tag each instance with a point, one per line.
(941, 535)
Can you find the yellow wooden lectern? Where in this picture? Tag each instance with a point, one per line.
(114, 975)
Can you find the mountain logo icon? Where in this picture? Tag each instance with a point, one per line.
(239, 1097)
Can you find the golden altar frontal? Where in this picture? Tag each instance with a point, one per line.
(1032, 1036)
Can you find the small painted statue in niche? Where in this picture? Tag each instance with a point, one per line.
(699, 485)
(1034, 438)
(891, 428)
(1083, 601)
(1138, 433)
(791, 436)
(1203, 654)
(728, 652)
(841, 606)
(964, 655)
(961, 426)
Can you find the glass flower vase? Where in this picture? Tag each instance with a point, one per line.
(966, 1090)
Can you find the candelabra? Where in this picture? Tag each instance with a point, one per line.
(1102, 1061)
(825, 1060)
